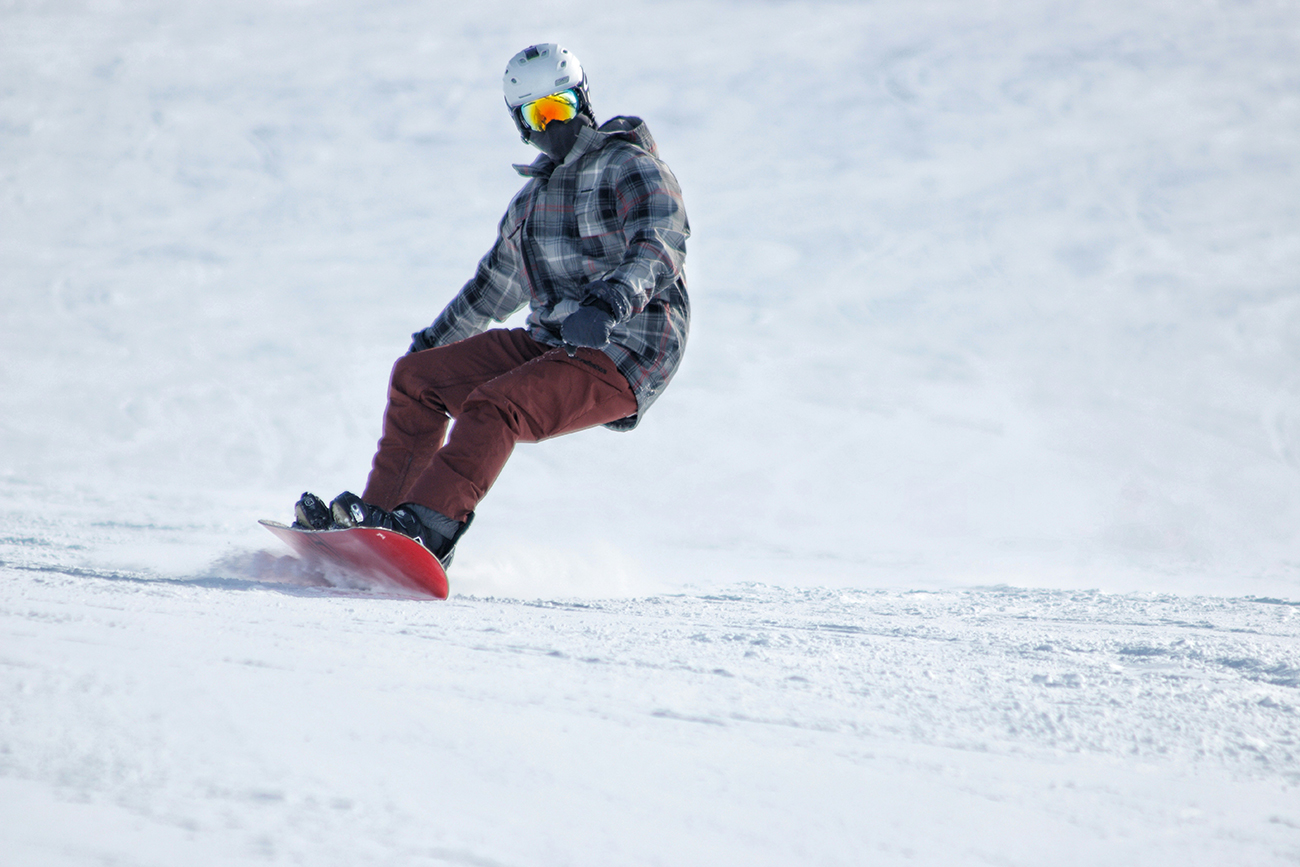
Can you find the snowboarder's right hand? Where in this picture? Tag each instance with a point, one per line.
(420, 341)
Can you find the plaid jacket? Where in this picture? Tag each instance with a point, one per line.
(611, 211)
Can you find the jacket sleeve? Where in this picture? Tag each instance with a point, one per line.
(494, 293)
(649, 205)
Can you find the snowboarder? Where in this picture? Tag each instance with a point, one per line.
(594, 243)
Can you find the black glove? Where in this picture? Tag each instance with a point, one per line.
(590, 325)
(420, 341)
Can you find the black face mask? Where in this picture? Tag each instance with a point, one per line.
(558, 138)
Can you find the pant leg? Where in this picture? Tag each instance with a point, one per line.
(549, 395)
(427, 387)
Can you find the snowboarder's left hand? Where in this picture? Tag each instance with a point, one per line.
(590, 325)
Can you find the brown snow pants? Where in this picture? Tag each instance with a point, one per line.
(501, 387)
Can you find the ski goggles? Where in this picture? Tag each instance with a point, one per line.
(560, 106)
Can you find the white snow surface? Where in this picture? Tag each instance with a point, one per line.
(967, 533)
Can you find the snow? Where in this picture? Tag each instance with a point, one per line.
(966, 534)
(760, 726)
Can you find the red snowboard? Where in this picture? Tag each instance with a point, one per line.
(371, 553)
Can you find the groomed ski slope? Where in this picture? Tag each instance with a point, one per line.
(165, 721)
(966, 535)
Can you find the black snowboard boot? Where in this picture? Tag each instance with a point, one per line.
(431, 529)
(311, 513)
(349, 510)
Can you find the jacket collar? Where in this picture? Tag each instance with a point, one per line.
(629, 129)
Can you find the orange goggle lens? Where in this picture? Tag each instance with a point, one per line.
(560, 106)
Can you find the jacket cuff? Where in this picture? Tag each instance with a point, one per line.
(612, 295)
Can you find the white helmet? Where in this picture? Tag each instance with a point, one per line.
(540, 70)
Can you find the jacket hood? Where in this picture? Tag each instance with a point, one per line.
(624, 128)
(631, 129)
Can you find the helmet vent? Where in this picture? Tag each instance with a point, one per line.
(560, 81)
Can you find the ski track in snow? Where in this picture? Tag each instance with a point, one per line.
(319, 725)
